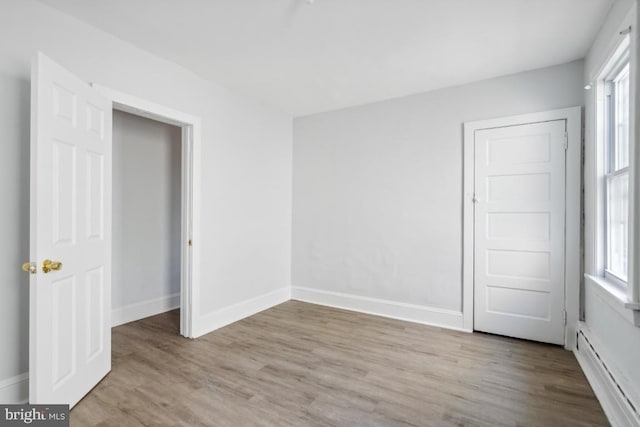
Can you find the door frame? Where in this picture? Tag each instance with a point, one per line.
(190, 194)
(573, 199)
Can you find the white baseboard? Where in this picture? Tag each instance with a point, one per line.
(15, 390)
(140, 310)
(396, 310)
(615, 404)
(227, 315)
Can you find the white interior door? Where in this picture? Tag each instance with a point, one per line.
(69, 330)
(519, 231)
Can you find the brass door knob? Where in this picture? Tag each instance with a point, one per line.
(48, 265)
(30, 267)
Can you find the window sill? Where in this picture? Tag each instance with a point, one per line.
(615, 297)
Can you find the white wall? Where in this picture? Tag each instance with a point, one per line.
(617, 338)
(146, 211)
(246, 164)
(378, 193)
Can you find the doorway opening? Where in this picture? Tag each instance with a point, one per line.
(181, 223)
(146, 215)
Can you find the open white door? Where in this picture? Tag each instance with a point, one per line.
(70, 296)
(520, 230)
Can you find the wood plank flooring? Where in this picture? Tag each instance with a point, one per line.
(301, 364)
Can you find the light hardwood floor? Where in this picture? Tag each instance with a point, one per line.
(301, 364)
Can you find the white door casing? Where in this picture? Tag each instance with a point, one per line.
(519, 231)
(191, 183)
(69, 330)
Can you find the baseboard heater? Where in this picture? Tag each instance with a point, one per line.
(620, 410)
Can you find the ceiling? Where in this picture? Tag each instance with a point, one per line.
(304, 56)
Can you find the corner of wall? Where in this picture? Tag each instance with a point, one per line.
(133, 312)
(225, 316)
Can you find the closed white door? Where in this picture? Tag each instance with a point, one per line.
(70, 286)
(519, 219)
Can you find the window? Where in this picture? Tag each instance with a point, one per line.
(616, 169)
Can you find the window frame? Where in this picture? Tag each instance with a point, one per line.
(616, 66)
(625, 301)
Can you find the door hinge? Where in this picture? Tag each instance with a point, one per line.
(566, 140)
(565, 316)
